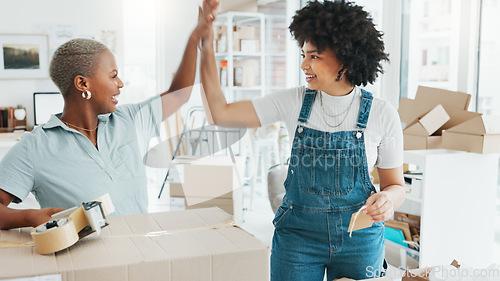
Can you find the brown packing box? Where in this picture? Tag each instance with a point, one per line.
(427, 98)
(421, 142)
(211, 182)
(429, 123)
(422, 274)
(176, 189)
(212, 177)
(479, 135)
(189, 245)
(432, 111)
(233, 206)
(243, 32)
(419, 274)
(244, 73)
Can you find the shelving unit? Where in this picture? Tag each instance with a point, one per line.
(257, 22)
(456, 208)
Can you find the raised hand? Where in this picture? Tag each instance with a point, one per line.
(206, 16)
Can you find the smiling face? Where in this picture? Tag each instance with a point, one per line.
(104, 83)
(321, 69)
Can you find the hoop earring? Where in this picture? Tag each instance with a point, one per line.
(87, 95)
(340, 75)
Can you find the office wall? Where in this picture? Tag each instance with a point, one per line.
(60, 19)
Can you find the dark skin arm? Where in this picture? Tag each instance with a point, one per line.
(12, 218)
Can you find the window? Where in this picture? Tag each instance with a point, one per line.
(429, 32)
(488, 99)
(139, 70)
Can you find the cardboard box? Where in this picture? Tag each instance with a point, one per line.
(427, 98)
(244, 73)
(220, 38)
(421, 142)
(249, 45)
(479, 135)
(211, 182)
(243, 32)
(432, 111)
(429, 123)
(212, 177)
(176, 189)
(422, 274)
(233, 205)
(189, 245)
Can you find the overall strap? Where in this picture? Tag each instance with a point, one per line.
(307, 104)
(364, 109)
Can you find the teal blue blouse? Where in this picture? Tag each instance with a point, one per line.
(62, 168)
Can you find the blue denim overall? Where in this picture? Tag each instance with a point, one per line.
(327, 181)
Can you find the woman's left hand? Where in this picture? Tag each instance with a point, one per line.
(379, 206)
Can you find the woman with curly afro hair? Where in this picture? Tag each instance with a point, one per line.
(339, 132)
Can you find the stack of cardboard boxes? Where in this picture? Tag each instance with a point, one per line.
(439, 118)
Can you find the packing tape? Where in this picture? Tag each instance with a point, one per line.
(71, 225)
(228, 224)
(56, 238)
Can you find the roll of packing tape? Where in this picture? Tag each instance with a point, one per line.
(71, 225)
(54, 236)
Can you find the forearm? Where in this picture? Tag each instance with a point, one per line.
(212, 95)
(11, 218)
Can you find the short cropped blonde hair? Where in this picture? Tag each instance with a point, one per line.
(76, 57)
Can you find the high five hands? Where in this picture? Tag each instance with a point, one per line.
(206, 16)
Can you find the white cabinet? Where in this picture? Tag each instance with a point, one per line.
(240, 53)
(457, 206)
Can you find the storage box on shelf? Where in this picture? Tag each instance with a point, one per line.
(456, 207)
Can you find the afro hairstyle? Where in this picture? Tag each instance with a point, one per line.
(348, 31)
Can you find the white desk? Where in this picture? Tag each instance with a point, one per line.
(457, 206)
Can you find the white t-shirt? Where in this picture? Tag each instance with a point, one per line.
(383, 134)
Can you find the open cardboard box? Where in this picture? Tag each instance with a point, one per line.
(422, 274)
(480, 135)
(432, 111)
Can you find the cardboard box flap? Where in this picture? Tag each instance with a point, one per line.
(449, 99)
(416, 129)
(434, 119)
(426, 99)
(481, 125)
(429, 123)
(458, 116)
(406, 110)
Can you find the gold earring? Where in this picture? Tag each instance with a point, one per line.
(87, 95)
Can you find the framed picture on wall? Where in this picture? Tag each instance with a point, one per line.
(24, 56)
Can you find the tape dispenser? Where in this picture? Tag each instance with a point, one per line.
(68, 226)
